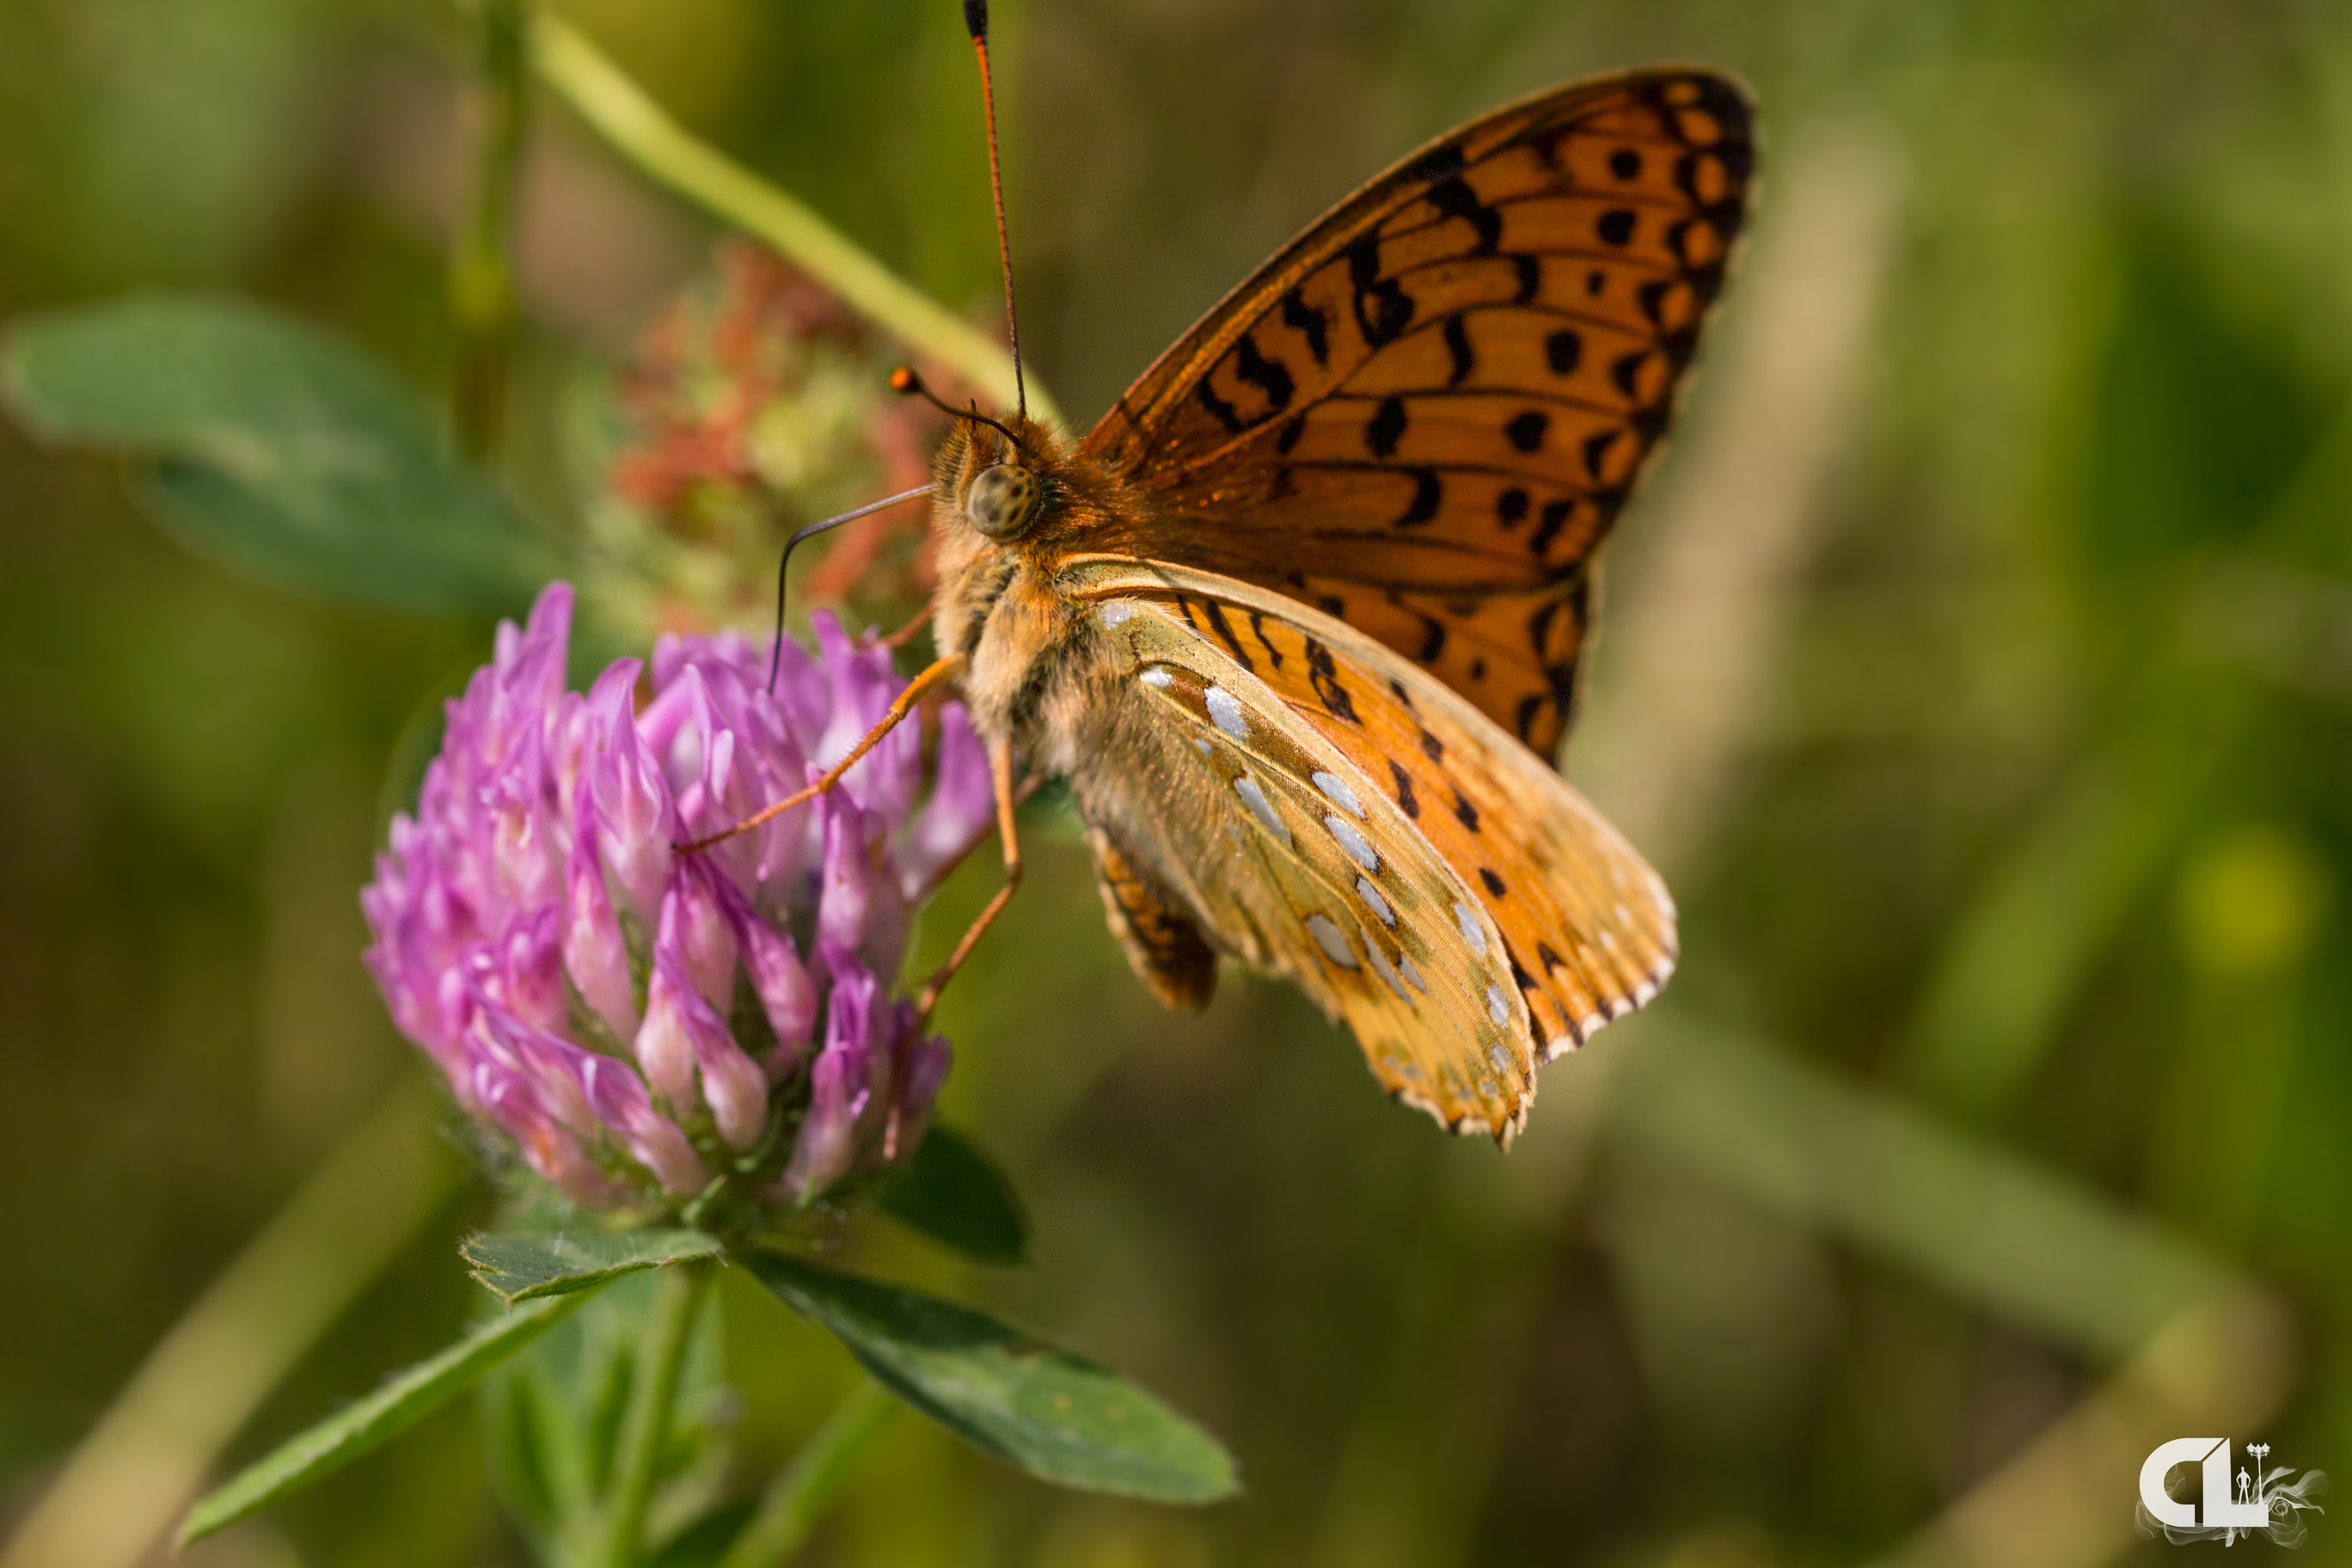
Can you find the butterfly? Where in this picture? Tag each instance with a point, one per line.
(1300, 620)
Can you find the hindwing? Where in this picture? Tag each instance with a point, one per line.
(1291, 858)
(1583, 930)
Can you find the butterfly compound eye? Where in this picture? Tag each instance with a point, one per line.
(1002, 500)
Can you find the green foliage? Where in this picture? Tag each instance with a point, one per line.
(277, 450)
(518, 1266)
(951, 1192)
(553, 1418)
(1057, 1415)
(370, 1422)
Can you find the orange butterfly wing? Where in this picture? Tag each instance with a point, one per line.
(1587, 929)
(1422, 415)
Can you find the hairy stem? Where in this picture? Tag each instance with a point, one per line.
(481, 260)
(641, 131)
(646, 1426)
(800, 1495)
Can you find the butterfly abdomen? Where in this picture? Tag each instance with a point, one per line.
(1169, 953)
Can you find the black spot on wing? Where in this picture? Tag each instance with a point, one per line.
(1428, 493)
(1492, 883)
(1540, 624)
(1226, 414)
(1596, 451)
(1525, 430)
(1386, 428)
(1555, 517)
(1455, 198)
(1383, 310)
(1625, 164)
(1457, 345)
(1257, 626)
(1616, 226)
(1561, 676)
(1445, 162)
(1563, 351)
(1530, 279)
(1407, 802)
(1463, 811)
(1223, 628)
(1323, 674)
(1626, 374)
(1511, 507)
(1290, 434)
(1269, 376)
(1433, 633)
(1311, 322)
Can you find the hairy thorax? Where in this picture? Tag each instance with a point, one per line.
(1035, 659)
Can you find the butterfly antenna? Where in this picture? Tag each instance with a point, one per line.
(776, 654)
(906, 384)
(975, 21)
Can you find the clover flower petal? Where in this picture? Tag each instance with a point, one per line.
(632, 1017)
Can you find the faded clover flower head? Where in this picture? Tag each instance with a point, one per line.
(754, 403)
(642, 1023)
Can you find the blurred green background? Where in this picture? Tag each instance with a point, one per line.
(1977, 670)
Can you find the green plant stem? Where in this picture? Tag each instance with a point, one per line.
(601, 94)
(481, 261)
(645, 1427)
(800, 1495)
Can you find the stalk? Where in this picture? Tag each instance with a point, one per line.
(646, 1426)
(481, 260)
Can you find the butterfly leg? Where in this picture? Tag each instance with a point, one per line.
(999, 774)
(930, 679)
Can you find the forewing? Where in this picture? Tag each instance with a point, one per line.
(1292, 859)
(1423, 415)
(1586, 929)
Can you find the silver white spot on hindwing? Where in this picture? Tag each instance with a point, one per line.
(1159, 676)
(1499, 1008)
(1117, 613)
(1260, 807)
(1411, 971)
(1226, 710)
(1336, 790)
(1207, 747)
(1359, 848)
(1371, 896)
(1472, 931)
(1332, 940)
(1383, 968)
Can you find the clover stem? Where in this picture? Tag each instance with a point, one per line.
(645, 1429)
(641, 130)
(801, 1493)
(482, 260)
